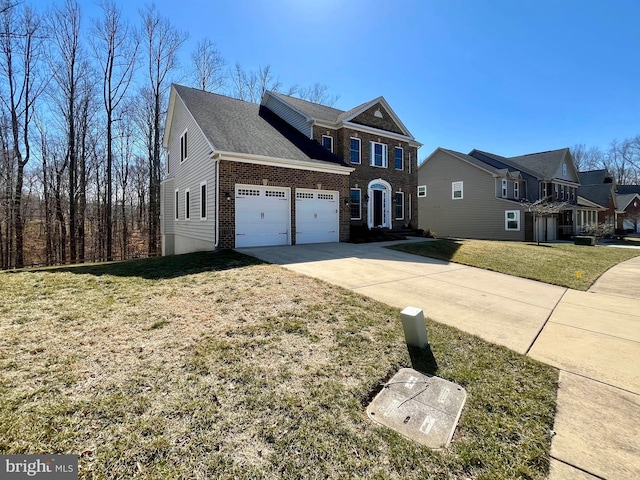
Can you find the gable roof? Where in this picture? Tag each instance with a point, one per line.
(315, 112)
(545, 164)
(500, 162)
(235, 126)
(594, 177)
(624, 200)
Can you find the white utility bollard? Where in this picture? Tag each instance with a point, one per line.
(415, 330)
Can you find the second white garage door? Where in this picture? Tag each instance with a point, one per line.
(317, 217)
(262, 216)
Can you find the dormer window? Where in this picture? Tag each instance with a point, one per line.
(516, 190)
(504, 189)
(327, 142)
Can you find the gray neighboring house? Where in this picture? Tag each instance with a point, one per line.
(481, 194)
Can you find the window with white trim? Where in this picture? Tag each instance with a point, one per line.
(456, 190)
(564, 169)
(504, 189)
(422, 191)
(203, 200)
(327, 142)
(177, 203)
(355, 148)
(399, 205)
(399, 158)
(378, 155)
(512, 220)
(356, 204)
(187, 206)
(516, 189)
(183, 146)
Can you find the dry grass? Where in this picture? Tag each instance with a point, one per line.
(212, 365)
(555, 263)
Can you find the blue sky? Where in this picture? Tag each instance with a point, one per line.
(510, 77)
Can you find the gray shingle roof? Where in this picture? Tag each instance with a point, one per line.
(233, 125)
(593, 177)
(473, 161)
(600, 194)
(624, 200)
(313, 110)
(545, 164)
(624, 189)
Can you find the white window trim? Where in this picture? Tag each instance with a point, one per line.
(184, 146)
(331, 139)
(204, 200)
(505, 188)
(176, 204)
(422, 191)
(187, 204)
(516, 190)
(506, 220)
(359, 150)
(385, 155)
(453, 190)
(394, 157)
(395, 205)
(359, 217)
(564, 169)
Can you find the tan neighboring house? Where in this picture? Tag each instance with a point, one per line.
(483, 195)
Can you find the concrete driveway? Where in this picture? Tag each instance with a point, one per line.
(593, 337)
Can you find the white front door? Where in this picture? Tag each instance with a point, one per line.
(317, 216)
(262, 216)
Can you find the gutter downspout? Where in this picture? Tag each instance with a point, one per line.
(216, 163)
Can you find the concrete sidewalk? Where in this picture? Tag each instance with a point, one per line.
(593, 337)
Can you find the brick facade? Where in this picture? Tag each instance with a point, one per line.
(232, 173)
(405, 180)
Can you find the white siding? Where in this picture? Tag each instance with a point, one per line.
(293, 118)
(194, 234)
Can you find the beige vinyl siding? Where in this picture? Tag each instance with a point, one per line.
(192, 234)
(479, 214)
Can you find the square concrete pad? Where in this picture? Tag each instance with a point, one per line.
(421, 407)
(597, 429)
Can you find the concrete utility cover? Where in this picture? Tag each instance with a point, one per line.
(421, 407)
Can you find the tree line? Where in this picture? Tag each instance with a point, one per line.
(621, 159)
(82, 111)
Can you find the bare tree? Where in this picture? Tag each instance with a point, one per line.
(250, 86)
(20, 46)
(116, 46)
(208, 67)
(587, 158)
(541, 209)
(318, 93)
(162, 42)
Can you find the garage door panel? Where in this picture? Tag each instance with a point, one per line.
(262, 216)
(317, 216)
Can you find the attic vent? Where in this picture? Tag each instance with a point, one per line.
(377, 113)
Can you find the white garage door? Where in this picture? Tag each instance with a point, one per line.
(262, 216)
(317, 218)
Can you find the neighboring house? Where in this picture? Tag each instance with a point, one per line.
(240, 174)
(374, 141)
(599, 188)
(482, 195)
(628, 201)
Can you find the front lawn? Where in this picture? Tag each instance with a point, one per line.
(217, 366)
(563, 264)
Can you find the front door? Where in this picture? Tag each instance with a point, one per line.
(377, 208)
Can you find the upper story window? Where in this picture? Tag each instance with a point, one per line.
(327, 142)
(504, 189)
(378, 155)
(564, 169)
(456, 190)
(516, 190)
(355, 149)
(399, 157)
(183, 147)
(422, 191)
